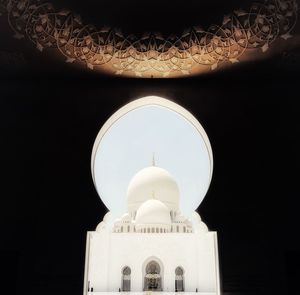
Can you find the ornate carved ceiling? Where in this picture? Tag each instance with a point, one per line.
(195, 51)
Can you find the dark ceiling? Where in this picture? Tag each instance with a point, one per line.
(165, 16)
(20, 58)
(51, 111)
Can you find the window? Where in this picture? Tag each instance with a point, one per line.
(179, 282)
(126, 278)
(152, 279)
(178, 228)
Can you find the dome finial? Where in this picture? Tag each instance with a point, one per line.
(153, 195)
(153, 159)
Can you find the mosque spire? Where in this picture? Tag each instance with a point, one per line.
(153, 195)
(153, 159)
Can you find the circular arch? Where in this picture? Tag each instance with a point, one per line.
(126, 278)
(179, 267)
(126, 270)
(161, 266)
(179, 279)
(150, 265)
(160, 102)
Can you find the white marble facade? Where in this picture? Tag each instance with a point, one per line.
(152, 247)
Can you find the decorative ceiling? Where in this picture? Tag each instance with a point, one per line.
(242, 35)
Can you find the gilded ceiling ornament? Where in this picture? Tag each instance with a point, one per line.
(152, 55)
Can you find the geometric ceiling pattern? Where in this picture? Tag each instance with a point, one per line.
(109, 51)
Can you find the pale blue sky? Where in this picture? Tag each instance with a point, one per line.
(129, 144)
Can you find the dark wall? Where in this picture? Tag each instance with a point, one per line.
(49, 124)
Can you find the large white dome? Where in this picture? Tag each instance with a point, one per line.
(153, 212)
(152, 182)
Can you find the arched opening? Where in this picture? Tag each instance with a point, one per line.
(127, 120)
(179, 279)
(126, 272)
(153, 280)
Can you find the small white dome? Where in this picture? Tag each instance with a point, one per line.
(195, 218)
(126, 217)
(101, 226)
(108, 217)
(201, 227)
(153, 212)
(152, 182)
(180, 218)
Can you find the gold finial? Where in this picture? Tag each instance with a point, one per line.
(153, 195)
(153, 159)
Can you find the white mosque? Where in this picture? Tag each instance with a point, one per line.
(152, 247)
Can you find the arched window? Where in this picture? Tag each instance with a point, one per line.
(128, 228)
(152, 229)
(157, 230)
(178, 228)
(179, 279)
(148, 230)
(126, 272)
(121, 229)
(152, 279)
(184, 229)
